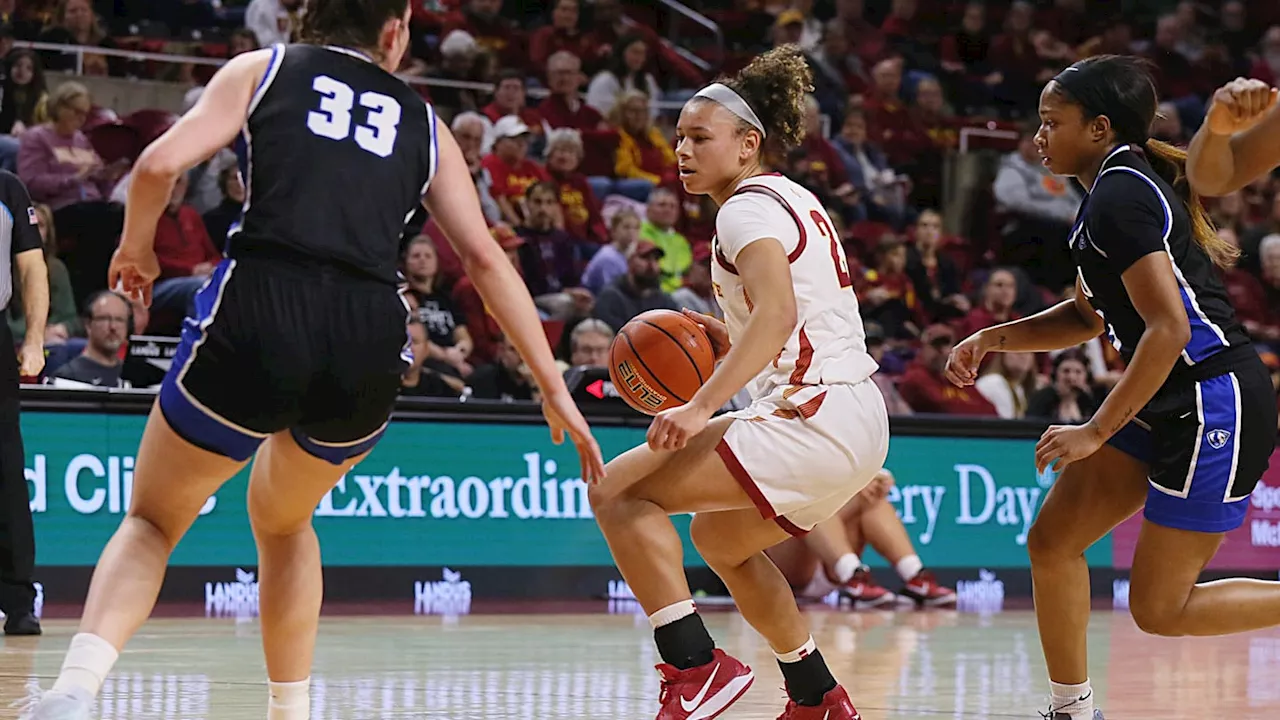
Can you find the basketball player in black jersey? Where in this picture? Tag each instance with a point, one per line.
(1194, 411)
(299, 336)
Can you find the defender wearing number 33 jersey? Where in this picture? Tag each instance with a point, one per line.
(335, 153)
(294, 352)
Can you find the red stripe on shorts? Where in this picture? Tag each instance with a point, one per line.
(739, 473)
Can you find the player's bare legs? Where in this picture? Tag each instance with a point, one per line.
(732, 543)
(284, 488)
(881, 528)
(1090, 498)
(1165, 599)
(172, 480)
(632, 507)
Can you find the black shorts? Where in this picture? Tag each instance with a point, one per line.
(275, 346)
(1207, 444)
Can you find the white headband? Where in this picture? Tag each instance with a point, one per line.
(733, 102)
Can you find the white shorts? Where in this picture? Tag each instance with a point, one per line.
(802, 451)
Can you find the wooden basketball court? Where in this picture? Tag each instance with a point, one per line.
(938, 664)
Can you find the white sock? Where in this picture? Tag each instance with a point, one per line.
(289, 700)
(88, 661)
(908, 567)
(845, 567)
(800, 653)
(672, 613)
(1074, 700)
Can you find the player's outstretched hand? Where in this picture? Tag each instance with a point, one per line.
(671, 429)
(1239, 105)
(1062, 445)
(564, 417)
(133, 273)
(962, 366)
(715, 329)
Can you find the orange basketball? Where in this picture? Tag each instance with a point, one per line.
(659, 360)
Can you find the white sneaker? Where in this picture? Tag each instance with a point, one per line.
(73, 705)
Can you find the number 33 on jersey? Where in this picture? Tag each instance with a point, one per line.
(334, 152)
(828, 345)
(333, 119)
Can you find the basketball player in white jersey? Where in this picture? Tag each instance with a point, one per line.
(1239, 140)
(815, 433)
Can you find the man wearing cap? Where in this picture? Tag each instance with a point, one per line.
(927, 391)
(511, 169)
(637, 291)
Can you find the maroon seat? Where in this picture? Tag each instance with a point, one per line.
(150, 123)
(115, 142)
(99, 116)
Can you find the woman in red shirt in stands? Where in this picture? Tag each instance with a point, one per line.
(581, 206)
(186, 255)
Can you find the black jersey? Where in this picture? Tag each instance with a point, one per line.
(1130, 213)
(335, 154)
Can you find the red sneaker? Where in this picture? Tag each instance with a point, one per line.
(925, 590)
(703, 692)
(863, 591)
(836, 705)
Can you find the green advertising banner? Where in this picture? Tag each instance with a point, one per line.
(484, 494)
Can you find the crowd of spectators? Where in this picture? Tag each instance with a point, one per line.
(569, 138)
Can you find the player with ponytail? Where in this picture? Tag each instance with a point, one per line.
(1189, 429)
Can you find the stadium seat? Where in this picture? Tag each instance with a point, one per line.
(115, 142)
(150, 123)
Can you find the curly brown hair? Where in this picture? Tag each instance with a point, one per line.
(775, 85)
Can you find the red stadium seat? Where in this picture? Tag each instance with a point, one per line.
(115, 142)
(99, 116)
(150, 124)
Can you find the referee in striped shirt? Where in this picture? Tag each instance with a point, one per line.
(22, 249)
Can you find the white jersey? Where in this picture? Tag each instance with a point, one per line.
(828, 346)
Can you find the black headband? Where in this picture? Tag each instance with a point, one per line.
(1083, 85)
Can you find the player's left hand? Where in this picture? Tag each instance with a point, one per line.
(1062, 445)
(133, 272)
(671, 429)
(564, 418)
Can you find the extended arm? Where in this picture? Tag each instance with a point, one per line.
(209, 126)
(1066, 324)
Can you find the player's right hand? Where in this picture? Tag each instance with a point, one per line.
(962, 366)
(1239, 105)
(563, 417)
(133, 273)
(715, 329)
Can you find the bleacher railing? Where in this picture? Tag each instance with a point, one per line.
(79, 51)
(702, 21)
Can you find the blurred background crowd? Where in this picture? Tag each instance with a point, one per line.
(919, 143)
